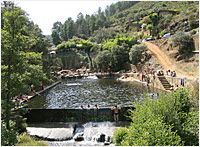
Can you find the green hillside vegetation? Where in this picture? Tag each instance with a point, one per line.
(123, 23)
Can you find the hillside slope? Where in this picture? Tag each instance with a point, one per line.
(162, 58)
(165, 55)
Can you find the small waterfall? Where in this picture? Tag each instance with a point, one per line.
(90, 134)
(98, 132)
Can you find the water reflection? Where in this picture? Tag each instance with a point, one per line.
(104, 92)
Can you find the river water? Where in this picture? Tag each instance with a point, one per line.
(104, 92)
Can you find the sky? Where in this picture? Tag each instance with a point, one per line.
(45, 13)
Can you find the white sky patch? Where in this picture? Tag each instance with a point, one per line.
(45, 13)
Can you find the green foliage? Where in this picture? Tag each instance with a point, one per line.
(27, 140)
(20, 67)
(192, 21)
(136, 54)
(103, 60)
(167, 120)
(103, 34)
(120, 135)
(119, 40)
(8, 137)
(120, 56)
(55, 37)
(153, 19)
(60, 46)
(184, 41)
(162, 33)
(152, 132)
(193, 32)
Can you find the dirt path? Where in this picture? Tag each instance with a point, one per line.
(162, 58)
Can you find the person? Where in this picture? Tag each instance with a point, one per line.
(96, 107)
(82, 107)
(116, 115)
(88, 106)
(172, 88)
(41, 85)
(23, 97)
(32, 91)
(176, 87)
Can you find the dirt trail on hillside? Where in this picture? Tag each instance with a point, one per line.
(162, 58)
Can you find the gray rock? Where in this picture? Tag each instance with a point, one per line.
(107, 143)
(102, 138)
(79, 137)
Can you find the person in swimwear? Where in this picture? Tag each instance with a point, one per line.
(116, 115)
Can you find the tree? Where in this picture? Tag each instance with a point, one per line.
(103, 34)
(120, 56)
(136, 54)
(184, 41)
(150, 28)
(19, 66)
(55, 37)
(103, 60)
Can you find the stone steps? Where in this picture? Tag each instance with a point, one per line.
(164, 82)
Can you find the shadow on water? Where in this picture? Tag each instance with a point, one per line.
(104, 92)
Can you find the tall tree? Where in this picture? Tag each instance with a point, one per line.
(55, 37)
(18, 65)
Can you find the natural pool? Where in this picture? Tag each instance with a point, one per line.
(104, 92)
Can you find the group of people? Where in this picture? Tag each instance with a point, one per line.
(24, 97)
(88, 107)
(115, 109)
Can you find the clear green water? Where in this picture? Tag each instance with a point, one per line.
(104, 92)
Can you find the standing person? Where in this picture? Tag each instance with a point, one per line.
(41, 85)
(96, 108)
(116, 115)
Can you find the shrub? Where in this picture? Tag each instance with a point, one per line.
(153, 132)
(193, 32)
(184, 41)
(27, 140)
(8, 137)
(120, 136)
(165, 121)
(163, 32)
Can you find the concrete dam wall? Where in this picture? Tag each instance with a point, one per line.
(75, 115)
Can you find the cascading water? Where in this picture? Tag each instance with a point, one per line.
(90, 134)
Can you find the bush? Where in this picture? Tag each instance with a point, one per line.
(120, 136)
(193, 32)
(163, 32)
(165, 121)
(153, 132)
(27, 140)
(8, 137)
(184, 41)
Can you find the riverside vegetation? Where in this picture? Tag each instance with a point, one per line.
(114, 35)
(169, 120)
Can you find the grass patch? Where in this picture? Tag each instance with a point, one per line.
(27, 140)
